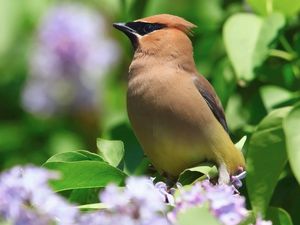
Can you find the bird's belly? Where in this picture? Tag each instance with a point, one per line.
(171, 153)
(171, 148)
(169, 131)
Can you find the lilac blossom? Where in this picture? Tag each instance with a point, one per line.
(224, 203)
(167, 194)
(71, 54)
(26, 198)
(236, 180)
(140, 203)
(221, 199)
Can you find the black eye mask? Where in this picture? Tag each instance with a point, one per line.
(143, 28)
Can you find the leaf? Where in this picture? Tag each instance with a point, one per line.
(224, 80)
(192, 216)
(84, 196)
(278, 216)
(74, 156)
(236, 114)
(111, 151)
(84, 174)
(247, 38)
(249, 220)
(292, 135)
(240, 144)
(190, 175)
(133, 154)
(94, 206)
(90, 155)
(266, 158)
(287, 7)
(273, 95)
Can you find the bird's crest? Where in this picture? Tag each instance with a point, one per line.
(170, 21)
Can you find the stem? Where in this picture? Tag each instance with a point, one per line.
(286, 45)
(282, 54)
(269, 6)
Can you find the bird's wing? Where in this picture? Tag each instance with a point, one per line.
(211, 98)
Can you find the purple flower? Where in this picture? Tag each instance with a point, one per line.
(140, 203)
(221, 199)
(71, 55)
(25, 198)
(236, 180)
(225, 204)
(94, 218)
(167, 194)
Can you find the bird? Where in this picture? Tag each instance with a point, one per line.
(174, 111)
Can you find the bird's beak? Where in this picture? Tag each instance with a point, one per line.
(130, 33)
(126, 29)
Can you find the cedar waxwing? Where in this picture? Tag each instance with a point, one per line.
(175, 112)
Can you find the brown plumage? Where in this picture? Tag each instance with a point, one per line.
(175, 112)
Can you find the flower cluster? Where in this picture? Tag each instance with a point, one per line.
(71, 54)
(221, 199)
(27, 199)
(140, 203)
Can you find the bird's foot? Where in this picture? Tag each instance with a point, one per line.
(224, 177)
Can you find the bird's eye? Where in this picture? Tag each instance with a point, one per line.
(148, 28)
(143, 28)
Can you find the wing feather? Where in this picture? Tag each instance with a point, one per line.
(211, 98)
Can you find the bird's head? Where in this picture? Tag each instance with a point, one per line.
(156, 31)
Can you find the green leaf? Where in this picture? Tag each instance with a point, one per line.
(249, 220)
(74, 156)
(84, 196)
(247, 40)
(224, 80)
(273, 95)
(236, 114)
(240, 144)
(84, 174)
(91, 155)
(192, 216)
(266, 158)
(278, 216)
(111, 151)
(94, 206)
(287, 7)
(133, 154)
(201, 172)
(292, 135)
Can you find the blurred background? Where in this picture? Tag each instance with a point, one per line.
(63, 70)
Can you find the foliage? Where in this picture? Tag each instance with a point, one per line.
(249, 50)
